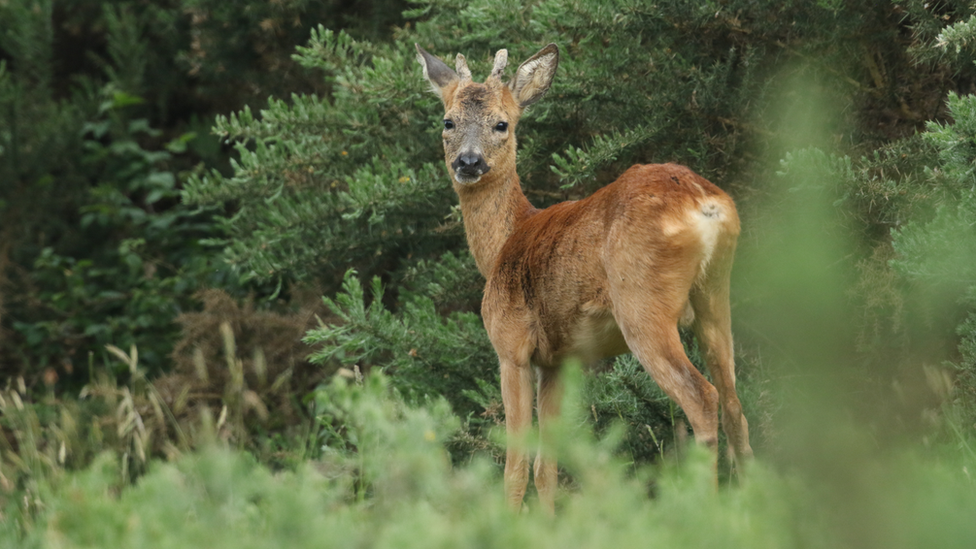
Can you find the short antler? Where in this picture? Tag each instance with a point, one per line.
(501, 61)
(461, 66)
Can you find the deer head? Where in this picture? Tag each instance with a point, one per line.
(480, 119)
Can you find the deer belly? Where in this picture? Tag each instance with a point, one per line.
(597, 336)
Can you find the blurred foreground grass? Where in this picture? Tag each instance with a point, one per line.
(399, 489)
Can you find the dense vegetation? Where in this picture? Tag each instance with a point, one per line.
(174, 376)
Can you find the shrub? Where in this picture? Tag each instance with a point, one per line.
(388, 483)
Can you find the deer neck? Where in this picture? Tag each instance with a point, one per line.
(492, 209)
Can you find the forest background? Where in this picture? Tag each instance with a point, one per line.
(236, 305)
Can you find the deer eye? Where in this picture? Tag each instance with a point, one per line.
(501, 126)
(448, 124)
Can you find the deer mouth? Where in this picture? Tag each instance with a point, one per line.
(468, 177)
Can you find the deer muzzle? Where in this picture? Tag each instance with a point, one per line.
(469, 167)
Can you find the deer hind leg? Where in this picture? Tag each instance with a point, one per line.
(549, 402)
(713, 328)
(654, 340)
(517, 398)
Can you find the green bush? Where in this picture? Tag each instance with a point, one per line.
(351, 178)
(390, 484)
(914, 226)
(117, 206)
(355, 177)
(149, 259)
(104, 107)
(425, 353)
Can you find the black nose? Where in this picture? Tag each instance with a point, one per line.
(470, 164)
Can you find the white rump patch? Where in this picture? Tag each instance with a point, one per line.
(711, 210)
(707, 221)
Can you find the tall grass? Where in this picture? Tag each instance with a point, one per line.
(398, 488)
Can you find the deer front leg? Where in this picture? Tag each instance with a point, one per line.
(517, 399)
(546, 471)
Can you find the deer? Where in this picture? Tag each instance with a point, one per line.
(589, 279)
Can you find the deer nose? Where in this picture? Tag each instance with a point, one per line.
(470, 164)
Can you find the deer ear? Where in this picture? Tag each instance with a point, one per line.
(533, 78)
(440, 75)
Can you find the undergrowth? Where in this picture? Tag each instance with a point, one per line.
(387, 481)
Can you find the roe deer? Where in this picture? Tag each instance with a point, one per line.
(591, 278)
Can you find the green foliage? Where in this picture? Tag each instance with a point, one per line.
(957, 36)
(148, 262)
(341, 169)
(426, 354)
(626, 395)
(88, 200)
(395, 487)
(329, 183)
(910, 207)
(965, 397)
(48, 437)
(938, 253)
(943, 250)
(944, 33)
(376, 424)
(354, 176)
(104, 106)
(577, 166)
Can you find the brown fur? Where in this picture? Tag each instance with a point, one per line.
(592, 278)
